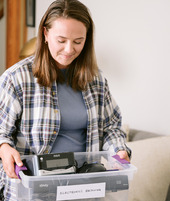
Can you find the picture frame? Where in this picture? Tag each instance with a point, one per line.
(30, 13)
(1, 8)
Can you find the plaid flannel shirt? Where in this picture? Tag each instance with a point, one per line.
(30, 114)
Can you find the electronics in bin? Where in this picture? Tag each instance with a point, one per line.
(65, 163)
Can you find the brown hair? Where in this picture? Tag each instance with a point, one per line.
(84, 67)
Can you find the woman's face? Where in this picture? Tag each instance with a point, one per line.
(66, 39)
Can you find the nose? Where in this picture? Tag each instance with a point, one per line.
(69, 47)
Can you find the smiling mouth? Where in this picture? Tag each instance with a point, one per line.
(67, 56)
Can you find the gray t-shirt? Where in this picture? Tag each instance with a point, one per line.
(73, 128)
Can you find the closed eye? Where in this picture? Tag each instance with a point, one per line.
(76, 42)
(79, 41)
(61, 41)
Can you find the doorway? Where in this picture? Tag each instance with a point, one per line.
(16, 30)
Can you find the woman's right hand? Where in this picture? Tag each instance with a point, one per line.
(10, 156)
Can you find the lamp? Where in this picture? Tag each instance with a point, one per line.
(28, 49)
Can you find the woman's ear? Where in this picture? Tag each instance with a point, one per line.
(45, 34)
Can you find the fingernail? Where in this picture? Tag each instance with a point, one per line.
(19, 164)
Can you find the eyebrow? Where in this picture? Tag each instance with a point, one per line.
(74, 39)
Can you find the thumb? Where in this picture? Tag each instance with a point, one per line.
(123, 155)
(18, 161)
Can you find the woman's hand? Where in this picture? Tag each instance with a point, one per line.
(123, 155)
(10, 156)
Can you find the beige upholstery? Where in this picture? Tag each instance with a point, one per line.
(152, 158)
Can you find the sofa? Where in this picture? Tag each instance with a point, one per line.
(151, 156)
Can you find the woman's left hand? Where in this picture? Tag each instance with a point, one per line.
(123, 155)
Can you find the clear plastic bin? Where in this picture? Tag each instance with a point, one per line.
(110, 185)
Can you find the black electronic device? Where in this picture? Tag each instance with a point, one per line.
(91, 167)
(55, 163)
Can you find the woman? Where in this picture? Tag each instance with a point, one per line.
(57, 100)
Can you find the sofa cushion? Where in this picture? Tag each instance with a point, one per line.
(152, 159)
(135, 135)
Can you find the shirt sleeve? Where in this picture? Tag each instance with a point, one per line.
(114, 136)
(10, 109)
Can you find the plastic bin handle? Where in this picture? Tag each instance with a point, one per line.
(18, 169)
(123, 161)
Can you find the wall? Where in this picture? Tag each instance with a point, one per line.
(133, 47)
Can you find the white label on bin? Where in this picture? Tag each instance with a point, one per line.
(73, 192)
